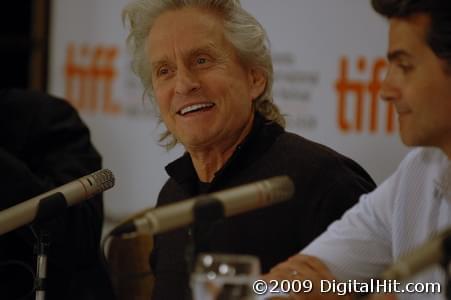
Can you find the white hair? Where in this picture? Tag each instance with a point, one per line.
(241, 29)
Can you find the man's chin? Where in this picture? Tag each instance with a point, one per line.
(408, 140)
(412, 140)
(196, 141)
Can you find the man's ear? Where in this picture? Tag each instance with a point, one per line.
(257, 82)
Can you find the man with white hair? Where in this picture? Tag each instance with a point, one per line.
(208, 66)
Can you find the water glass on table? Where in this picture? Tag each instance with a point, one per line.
(224, 276)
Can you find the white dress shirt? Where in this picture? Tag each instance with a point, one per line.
(401, 214)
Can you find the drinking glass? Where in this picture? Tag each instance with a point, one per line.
(224, 276)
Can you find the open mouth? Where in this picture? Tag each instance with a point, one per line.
(198, 107)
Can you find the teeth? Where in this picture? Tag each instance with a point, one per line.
(194, 107)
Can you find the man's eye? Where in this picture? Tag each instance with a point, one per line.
(162, 71)
(405, 67)
(201, 60)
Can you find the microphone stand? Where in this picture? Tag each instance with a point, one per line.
(41, 247)
(206, 211)
(48, 208)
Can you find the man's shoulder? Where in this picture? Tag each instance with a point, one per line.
(424, 157)
(34, 105)
(312, 161)
(30, 97)
(305, 151)
(302, 145)
(422, 165)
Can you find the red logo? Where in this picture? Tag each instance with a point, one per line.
(364, 110)
(89, 77)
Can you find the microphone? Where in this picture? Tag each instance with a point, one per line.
(431, 252)
(233, 201)
(71, 193)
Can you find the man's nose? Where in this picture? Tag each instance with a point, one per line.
(389, 91)
(186, 82)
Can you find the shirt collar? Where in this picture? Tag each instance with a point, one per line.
(259, 139)
(442, 182)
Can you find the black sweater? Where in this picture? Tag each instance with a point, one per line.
(326, 183)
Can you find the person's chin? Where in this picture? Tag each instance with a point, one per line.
(196, 140)
(409, 139)
(405, 131)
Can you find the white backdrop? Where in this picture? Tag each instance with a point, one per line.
(328, 58)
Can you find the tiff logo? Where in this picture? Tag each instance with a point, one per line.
(89, 76)
(345, 87)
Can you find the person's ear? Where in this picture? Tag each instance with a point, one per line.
(257, 82)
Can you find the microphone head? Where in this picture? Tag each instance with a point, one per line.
(98, 182)
(255, 195)
(104, 179)
(280, 188)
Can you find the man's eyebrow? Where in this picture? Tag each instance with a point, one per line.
(397, 54)
(159, 62)
(210, 47)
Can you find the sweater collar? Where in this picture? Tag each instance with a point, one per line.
(260, 138)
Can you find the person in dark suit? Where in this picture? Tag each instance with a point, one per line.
(45, 144)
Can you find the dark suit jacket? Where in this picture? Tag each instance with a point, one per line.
(44, 144)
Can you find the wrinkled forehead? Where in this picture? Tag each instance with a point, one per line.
(185, 28)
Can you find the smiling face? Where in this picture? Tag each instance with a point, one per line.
(203, 91)
(418, 85)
